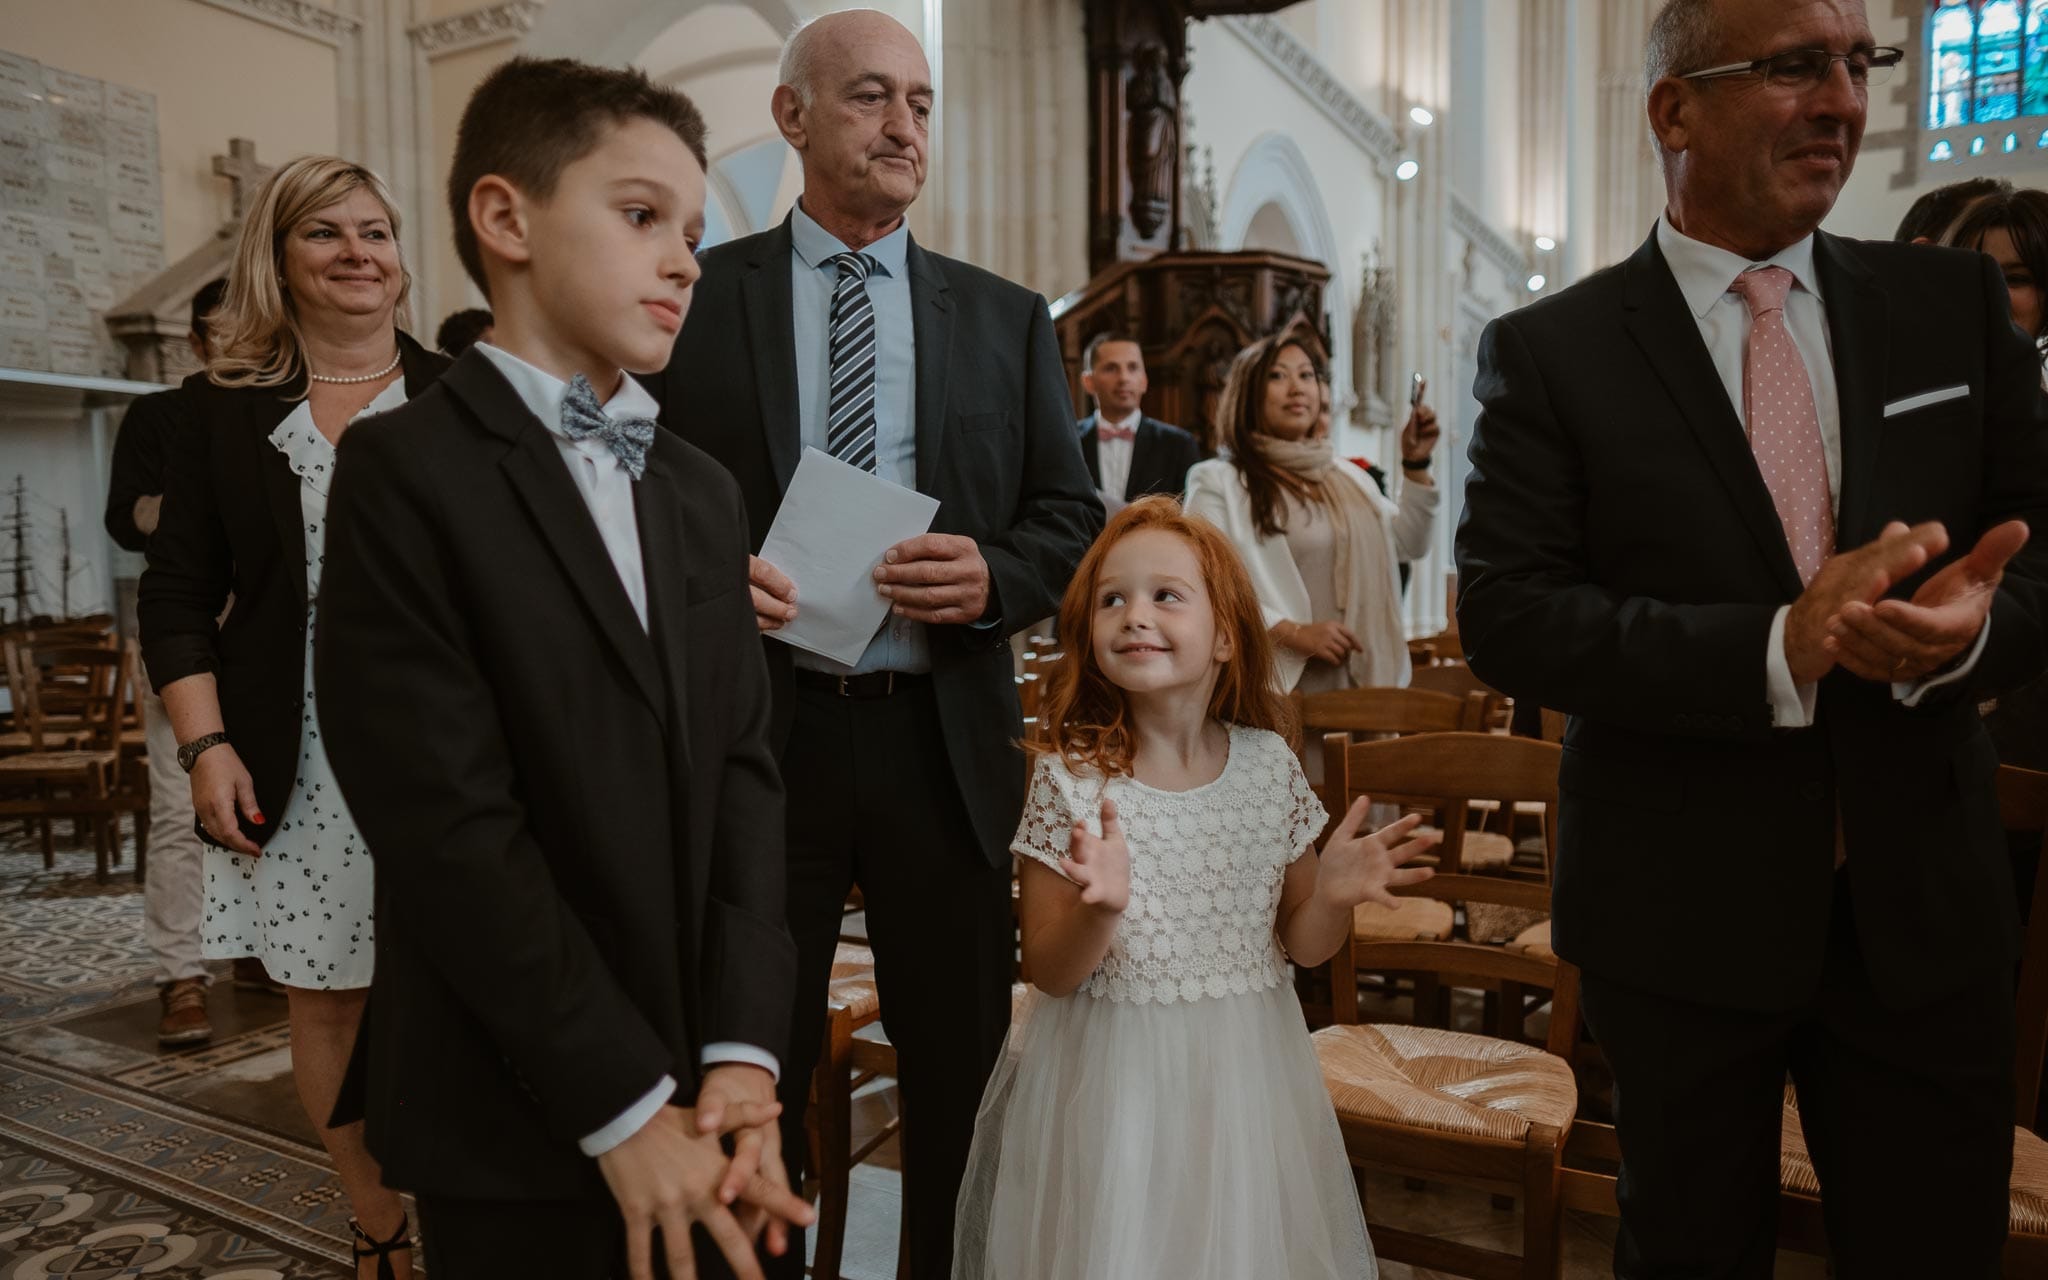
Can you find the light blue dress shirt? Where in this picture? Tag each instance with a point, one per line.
(900, 644)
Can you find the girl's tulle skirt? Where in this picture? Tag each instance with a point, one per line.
(1187, 1141)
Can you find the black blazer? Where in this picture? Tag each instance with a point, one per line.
(1160, 457)
(995, 446)
(141, 451)
(231, 526)
(577, 823)
(1621, 560)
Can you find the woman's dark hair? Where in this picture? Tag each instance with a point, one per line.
(2023, 215)
(1937, 210)
(1237, 414)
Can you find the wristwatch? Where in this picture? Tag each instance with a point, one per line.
(1410, 464)
(188, 755)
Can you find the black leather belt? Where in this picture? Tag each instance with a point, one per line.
(873, 684)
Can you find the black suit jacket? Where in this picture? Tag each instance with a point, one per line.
(231, 526)
(1160, 457)
(1621, 560)
(995, 446)
(577, 823)
(141, 451)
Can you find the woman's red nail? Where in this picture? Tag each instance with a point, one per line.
(256, 818)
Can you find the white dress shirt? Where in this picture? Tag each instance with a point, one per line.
(1113, 458)
(607, 489)
(1704, 273)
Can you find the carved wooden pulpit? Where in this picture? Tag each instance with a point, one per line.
(1191, 311)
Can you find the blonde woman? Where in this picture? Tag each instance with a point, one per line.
(307, 340)
(1323, 544)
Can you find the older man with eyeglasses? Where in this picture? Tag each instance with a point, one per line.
(1753, 508)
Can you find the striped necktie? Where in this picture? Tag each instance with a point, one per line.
(850, 424)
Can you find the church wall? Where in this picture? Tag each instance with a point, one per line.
(215, 75)
(453, 77)
(1893, 169)
(1336, 196)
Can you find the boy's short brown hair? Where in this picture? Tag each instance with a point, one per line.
(532, 118)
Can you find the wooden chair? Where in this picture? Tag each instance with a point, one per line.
(1457, 678)
(1593, 1154)
(1035, 665)
(852, 1003)
(77, 780)
(1480, 1111)
(849, 1063)
(1330, 722)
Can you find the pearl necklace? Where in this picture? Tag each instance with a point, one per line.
(368, 377)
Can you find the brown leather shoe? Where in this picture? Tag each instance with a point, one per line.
(184, 1021)
(250, 975)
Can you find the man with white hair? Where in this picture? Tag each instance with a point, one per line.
(1753, 508)
(835, 330)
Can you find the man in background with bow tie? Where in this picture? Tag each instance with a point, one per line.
(1753, 508)
(1128, 454)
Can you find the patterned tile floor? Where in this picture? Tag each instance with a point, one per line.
(118, 1159)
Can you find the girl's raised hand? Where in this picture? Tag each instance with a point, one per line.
(1366, 868)
(1101, 865)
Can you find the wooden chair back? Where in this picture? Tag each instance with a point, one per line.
(1448, 771)
(75, 685)
(1035, 665)
(1457, 678)
(1387, 711)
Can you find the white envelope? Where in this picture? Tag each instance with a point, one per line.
(835, 523)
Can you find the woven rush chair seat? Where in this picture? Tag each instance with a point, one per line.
(2028, 1211)
(853, 983)
(1426, 1077)
(1415, 920)
(1497, 924)
(1485, 852)
(1534, 941)
(37, 762)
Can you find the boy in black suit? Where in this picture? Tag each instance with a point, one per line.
(551, 725)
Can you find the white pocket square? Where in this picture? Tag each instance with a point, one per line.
(1925, 398)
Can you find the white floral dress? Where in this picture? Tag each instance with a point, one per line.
(1168, 1120)
(303, 907)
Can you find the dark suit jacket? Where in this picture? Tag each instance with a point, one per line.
(141, 451)
(1621, 560)
(577, 824)
(1160, 457)
(995, 446)
(231, 525)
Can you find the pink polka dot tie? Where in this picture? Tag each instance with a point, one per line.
(1784, 427)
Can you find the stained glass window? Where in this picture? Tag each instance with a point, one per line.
(1988, 60)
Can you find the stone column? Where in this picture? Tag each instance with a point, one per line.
(1418, 70)
(1008, 188)
(1631, 190)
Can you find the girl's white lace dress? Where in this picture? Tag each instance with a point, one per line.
(1168, 1119)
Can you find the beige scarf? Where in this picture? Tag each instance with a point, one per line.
(1352, 516)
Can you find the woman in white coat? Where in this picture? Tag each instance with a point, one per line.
(1323, 544)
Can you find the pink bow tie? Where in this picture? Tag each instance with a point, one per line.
(1108, 431)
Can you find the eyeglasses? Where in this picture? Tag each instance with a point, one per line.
(1805, 68)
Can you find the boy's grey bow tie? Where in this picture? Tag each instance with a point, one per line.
(583, 418)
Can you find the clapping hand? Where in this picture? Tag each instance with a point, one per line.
(1366, 868)
(1100, 866)
(1894, 640)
